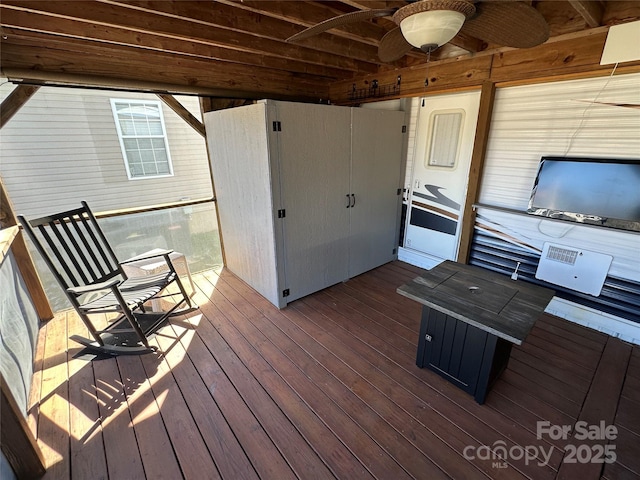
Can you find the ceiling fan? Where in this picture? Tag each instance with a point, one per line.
(429, 24)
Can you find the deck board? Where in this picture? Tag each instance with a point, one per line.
(87, 446)
(53, 415)
(325, 388)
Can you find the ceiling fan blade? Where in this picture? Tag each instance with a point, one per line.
(351, 17)
(512, 24)
(393, 46)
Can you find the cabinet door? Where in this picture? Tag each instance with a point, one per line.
(451, 348)
(314, 149)
(376, 154)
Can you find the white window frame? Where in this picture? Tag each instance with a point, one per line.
(122, 137)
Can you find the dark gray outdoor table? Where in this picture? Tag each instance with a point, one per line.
(470, 319)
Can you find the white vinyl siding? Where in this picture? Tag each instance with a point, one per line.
(142, 136)
(557, 119)
(595, 117)
(562, 119)
(62, 147)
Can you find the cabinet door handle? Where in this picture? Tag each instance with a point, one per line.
(353, 197)
(348, 201)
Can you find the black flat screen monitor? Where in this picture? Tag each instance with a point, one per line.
(596, 191)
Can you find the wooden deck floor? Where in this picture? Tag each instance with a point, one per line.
(326, 388)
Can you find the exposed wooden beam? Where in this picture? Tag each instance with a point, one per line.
(591, 11)
(485, 112)
(577, 56)
(621, 11)
(445, 75)
(307, 14)
(366, 4)
(119, 25)
(235, 16)
(14, 102)
(7, 216)
(183, 113)
(210, 104)
(206, 105)
(468, 43)
(40, 56)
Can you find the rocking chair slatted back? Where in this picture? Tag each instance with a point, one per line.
(79, 253)
(79, 256)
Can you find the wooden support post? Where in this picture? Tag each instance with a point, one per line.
(16, 440)
(205, 106)
(475, 170)
(23, 259)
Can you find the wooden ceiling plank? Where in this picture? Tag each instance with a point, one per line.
(15, 21)
(591, 11)
(561, 17)
(228, 16)
(621, 11)
(115, 16)
(14, 102)
(366, 4)
(37, 59)
(307, 14)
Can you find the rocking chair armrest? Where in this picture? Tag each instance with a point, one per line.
(94, 287)
(160, 253)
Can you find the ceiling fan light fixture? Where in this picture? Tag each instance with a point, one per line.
(429, 24)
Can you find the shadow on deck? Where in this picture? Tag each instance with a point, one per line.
(325, 388)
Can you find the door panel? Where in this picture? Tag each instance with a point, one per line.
(314, 155)
(375, 179)
(444, 143)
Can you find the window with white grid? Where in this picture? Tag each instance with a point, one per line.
(143, 138)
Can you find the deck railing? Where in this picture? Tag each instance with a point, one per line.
(190, 228)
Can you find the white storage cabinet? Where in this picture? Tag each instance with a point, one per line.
(308, 195)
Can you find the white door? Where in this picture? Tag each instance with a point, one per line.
(444, 143)
(376, 156)
(314, 155)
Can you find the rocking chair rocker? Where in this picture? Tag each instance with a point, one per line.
(79, 256)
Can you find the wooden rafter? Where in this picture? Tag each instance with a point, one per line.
(232, 49)
(14, 102)
(183, 113)
(591, 11)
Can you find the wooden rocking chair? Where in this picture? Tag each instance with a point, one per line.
(79, 256)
